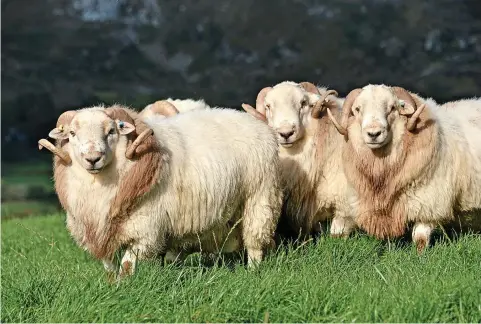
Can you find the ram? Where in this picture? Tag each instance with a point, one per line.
(169, 107)
(410, 160)
(315, 188)
(179, 184)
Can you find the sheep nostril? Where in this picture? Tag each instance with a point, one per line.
(287, 134)
(374, 134)
(93, 160)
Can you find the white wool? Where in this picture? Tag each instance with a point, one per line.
(313, 179)
(218, 188)
(451, 183)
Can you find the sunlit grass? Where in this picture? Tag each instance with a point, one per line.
(47, 278)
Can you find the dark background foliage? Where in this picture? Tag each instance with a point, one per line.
(67, 54)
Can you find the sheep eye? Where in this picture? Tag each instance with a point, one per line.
(72, 133)
(268, 106)
(111, 131)
(357, 109)
(303, 103)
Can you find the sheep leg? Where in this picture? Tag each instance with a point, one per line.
(254, 257)
(110, 268)
(342, 226)
(128, 263)
(421, 235)
(261, 214)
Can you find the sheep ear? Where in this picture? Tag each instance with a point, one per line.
(58, 133)
(405, 108)
(124, 127)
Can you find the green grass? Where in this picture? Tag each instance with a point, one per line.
(47, 278)
(26, 208)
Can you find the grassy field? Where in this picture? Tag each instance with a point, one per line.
(46, 278)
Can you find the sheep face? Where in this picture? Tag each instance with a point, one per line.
(288, 110)
(376, 109)
(93, 137)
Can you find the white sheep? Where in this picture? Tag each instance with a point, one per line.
(190, 186)
(410, 160)
(311, 169)
(170, 107)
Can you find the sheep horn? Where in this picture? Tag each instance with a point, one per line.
(140, 127)
(346, 111)
(65, 118)
(316, 111)
(412, 121)
(403, 94)
(260, 100)
(165, 108)
(339, 128)
(309, 87)
(55, 150)
(251, 110)
(129, 153)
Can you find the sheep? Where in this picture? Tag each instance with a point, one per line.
(170, 107)
(313, 180)
(159, 109)
(180, 183)
(410, 160)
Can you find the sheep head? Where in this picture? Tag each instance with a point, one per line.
(375, 109)
(289, 107)
(95, 133)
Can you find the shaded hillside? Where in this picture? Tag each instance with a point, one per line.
(58, 55)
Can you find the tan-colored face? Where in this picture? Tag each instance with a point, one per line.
(93, 137)
(288, 111)
(375, 109)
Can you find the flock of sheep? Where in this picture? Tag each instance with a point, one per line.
(182, 177)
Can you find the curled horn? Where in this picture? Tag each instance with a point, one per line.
(129, 153)
(310, 87)
(346, 111)
(63, 120)
(403, 94)
(145, 131)
(316, 111)
(260, 111)
(55, 150)
(412, 121)
(164, 107)
(260, 100)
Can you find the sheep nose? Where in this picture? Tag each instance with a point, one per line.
(286, 135)
(93, 158)
(374, 135)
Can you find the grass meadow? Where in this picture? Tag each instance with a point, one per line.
(47, 278)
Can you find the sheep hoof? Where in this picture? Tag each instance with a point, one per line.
(421, 244)
(339, 235)
(126, 270)
(254, 258)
